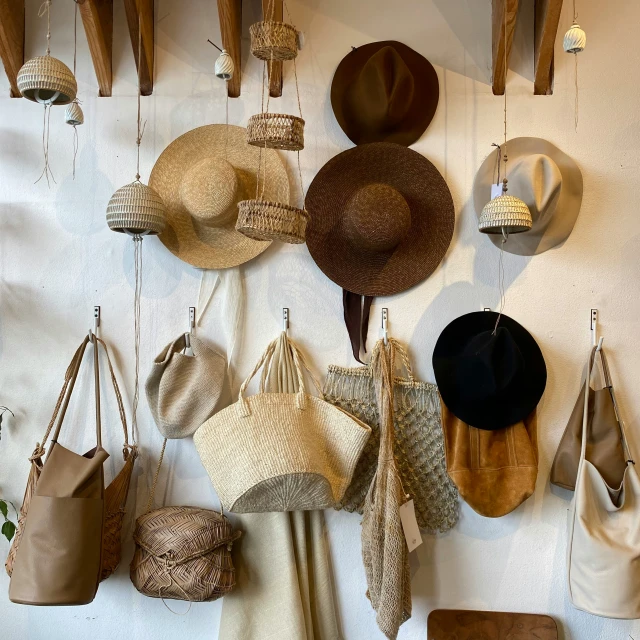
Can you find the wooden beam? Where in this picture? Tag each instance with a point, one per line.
(547, 18)
(230, 16)
(142, 11)
(499, 7)
(272, 10)
(12, 40)
(97, 18)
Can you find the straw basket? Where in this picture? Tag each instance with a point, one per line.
(47, 80)
(271, 40)
(136, 209)
(276, 131)
(262, 220)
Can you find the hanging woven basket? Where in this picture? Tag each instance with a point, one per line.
(263, 220)
(276, 131)
(272, 40)
(47, 80)
(136, 209)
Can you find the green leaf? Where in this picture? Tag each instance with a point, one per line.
(3, 508)
(8, 530)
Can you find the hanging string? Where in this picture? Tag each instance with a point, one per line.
(575, 12)
(46, 171)
(575, 115)
(137, 259)
(141, 126)
(46, 7)
(75, 56)
(505, 237)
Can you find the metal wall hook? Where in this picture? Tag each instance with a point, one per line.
(96, 323)
(192, 326)
(595, 341)
(385, 325)
(285, 320)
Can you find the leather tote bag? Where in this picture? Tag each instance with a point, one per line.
(115, 494)
(58, 561)
(418, 441)
(603, 547)
(280, 451)
(495, 471)
(604, 444)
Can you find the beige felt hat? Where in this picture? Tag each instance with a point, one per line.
(549, 182)
(201, 176)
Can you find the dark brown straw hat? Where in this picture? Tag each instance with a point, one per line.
(384, 92)
(382, 218)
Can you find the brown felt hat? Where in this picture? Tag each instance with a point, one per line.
(384, 92)
(382, 218)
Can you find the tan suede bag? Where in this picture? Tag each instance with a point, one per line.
(495, 471)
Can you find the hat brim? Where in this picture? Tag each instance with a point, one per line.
(567, 209)
(426, 242)
(421, 110)
(214, 247)
(512, 404)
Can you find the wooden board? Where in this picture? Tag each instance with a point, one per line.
(274, 68)
(498, 8)
(97, 18)
(142, 11)
(230, 16)
(547, 19)
(457, 624)
(12, 40)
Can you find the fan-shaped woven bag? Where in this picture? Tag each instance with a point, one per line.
(280, 451)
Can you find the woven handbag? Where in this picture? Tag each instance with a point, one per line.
(418, 441)
(182, 553)
(280, 451)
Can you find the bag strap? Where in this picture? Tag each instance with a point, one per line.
(152, 493)
(401, 352)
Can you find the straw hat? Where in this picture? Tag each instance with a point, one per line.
(382, 218)
(550, 184)
(201, 185)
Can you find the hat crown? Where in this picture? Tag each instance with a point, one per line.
(209, 192)
(383, 90)
(377, 218)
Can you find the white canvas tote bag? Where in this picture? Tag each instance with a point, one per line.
(603, 546)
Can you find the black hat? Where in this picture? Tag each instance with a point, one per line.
(489, 378)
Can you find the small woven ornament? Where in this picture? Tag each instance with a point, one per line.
(575, 40)
(136, 209)
(47, 80)
(271, 40)
(505, 212)
(262, 220)
(224, 66)
(73, 114)
(276, 131)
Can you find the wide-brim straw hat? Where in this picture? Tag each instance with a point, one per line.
(550, 184)
(201, 176)
(382, 219)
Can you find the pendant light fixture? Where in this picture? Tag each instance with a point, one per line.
(505, 214)
(575, 41)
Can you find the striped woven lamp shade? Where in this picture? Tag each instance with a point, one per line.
(47, 80)
(137, 210)
(505, 214)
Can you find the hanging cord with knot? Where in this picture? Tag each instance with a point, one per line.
(575, 74)
(45, 7)
(75, 58)
(141, 125)
(137, 240)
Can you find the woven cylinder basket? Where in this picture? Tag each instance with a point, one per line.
(136, 209)
(263, 220)
(271, 40)
(276, 131)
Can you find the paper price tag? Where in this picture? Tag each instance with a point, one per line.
(410, 526)
(496, 190)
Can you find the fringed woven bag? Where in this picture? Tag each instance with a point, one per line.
(182, 553)
(116, 493)
(384, 551)
(418, 441)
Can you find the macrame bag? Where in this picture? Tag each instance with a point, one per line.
(58, 560)
(418, 441)
(116, 493)
(182, 553)
(603, 546)
(280, 451)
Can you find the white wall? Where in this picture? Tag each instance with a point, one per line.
(58, 259)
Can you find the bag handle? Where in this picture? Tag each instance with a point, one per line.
(299, 363)
(404, 358)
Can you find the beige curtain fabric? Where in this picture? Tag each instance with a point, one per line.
(284, 583)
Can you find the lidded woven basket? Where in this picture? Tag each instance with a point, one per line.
(276, 131)
(271, 40)
(263, 220)
(47, 80)
(136, 209)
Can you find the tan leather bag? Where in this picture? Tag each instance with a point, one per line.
(604, 444)
(58, 561)
(495, 471)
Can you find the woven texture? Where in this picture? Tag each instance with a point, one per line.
(224, 66)
(280, 451)
(575, 40)
(506, 212)
(418, 444)
(271, 40)
(137, 209)
(183, 553)
(384, 550)
(276, 131)
(43, 76)
(262, 220)
(73, 114)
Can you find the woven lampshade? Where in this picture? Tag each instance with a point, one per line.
(276, 131)
(506, 213)
(272, 40)
(263, 220)
(47, 80)
(73, 114)
(575, 40)
(136, 209)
